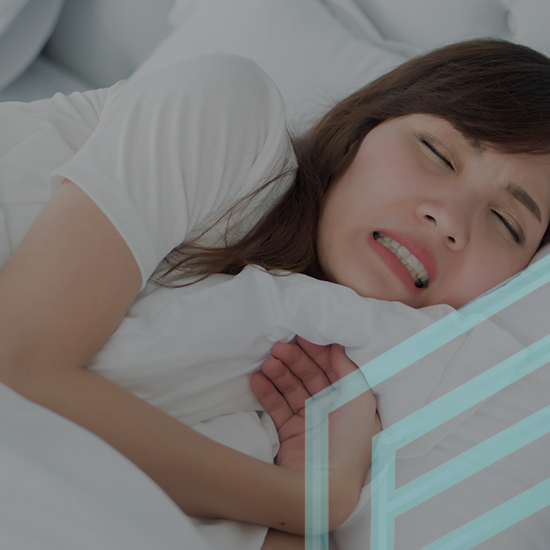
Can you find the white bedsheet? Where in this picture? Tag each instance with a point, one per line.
(62, 488)
(190, 351)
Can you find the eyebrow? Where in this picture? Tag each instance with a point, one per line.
(513, 189)
(522, 196)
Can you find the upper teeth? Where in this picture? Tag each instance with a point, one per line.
(412, 263)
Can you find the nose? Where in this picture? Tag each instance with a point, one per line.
(450, 220)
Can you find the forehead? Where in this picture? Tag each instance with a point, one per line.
(445, 125)
(540, 146)
(475, 144)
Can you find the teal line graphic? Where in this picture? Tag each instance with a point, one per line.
(387, 502)
(495, 521)
(469, 462)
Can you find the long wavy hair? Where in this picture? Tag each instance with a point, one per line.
(492, 91)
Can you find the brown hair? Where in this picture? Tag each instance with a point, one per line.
(492, 91)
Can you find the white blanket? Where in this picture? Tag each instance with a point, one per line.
(190, 351)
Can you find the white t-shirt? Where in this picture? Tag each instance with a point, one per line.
(163, 156)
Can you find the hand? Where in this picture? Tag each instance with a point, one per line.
(294, 373)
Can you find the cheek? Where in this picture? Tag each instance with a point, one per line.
(484, 272)
(347, 200)
(329, 227)
(393, 178)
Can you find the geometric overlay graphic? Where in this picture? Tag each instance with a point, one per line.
(388, 502)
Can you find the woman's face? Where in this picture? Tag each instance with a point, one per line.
(469, 216)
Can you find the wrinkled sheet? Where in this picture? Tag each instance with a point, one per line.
(190, 351)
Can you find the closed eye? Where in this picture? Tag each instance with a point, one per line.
(517, 235)
(430, 146)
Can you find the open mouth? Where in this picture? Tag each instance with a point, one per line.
(417, 270)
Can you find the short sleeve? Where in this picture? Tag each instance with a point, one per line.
(175, 148)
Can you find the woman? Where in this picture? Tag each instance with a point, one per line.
(466, 126)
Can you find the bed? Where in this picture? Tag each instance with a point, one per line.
(62, 487)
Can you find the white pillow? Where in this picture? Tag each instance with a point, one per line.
(310, 56)
(429, 24)
(9, 10)
(25, 25)
(353, 18)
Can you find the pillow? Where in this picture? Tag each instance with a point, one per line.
(310, 56)
(350, 15)
(9, 11)
(25, 25)
(521, 21)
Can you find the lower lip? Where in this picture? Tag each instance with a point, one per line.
(394, 263)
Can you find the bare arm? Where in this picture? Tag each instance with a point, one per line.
(292, 375)
(278, 540)
(63, 292)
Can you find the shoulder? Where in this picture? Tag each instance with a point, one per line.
(240, 72)
(223, 83)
